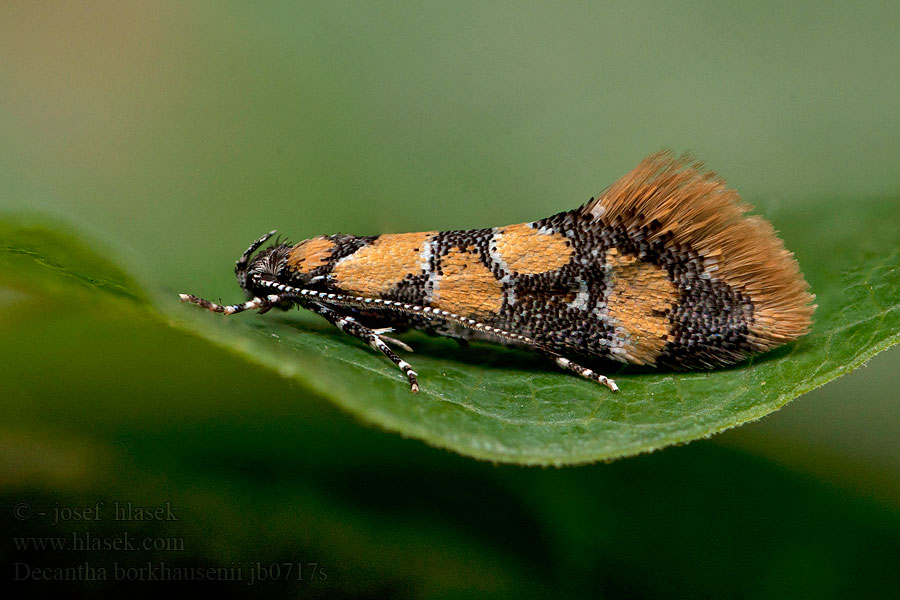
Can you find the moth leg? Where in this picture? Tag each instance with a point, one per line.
(428, 312)
(380, 333)
(263, 303)
(568, 365)
(351, 326)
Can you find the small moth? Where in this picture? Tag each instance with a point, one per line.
(663, 268)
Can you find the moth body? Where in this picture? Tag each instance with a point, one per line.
(662, 269)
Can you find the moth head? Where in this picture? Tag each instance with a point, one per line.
(269, 264)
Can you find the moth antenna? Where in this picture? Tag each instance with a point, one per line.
(240, 267)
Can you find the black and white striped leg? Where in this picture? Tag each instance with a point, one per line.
(568, 365)
(351, 326)
(263, 303)
(306, 297)
(380, 333)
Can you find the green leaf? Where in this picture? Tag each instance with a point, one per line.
(505, 405)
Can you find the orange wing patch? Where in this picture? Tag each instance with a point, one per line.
(641, 298)
(528, 251)
(377, 267)
(309, 254)
(466, 286)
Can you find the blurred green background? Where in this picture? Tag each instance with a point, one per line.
(178, 132)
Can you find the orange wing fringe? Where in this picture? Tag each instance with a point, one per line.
(693, 206)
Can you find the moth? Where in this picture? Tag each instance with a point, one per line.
(663, 268)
